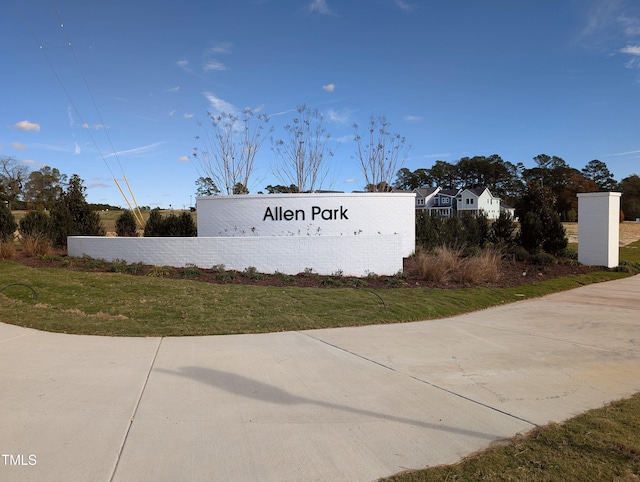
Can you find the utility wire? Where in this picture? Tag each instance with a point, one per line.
(136, 211)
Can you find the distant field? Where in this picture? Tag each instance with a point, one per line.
(629, 232)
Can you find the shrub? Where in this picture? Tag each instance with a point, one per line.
(8, 224)
(35, 224)
(502, 230)
(160, 271)
(452, 233)
(71, 215)
(126, 225)
(540, 225)
(476, 230)
(153, 226)
(427, 229)
(170, 226)
(329, 281)
(251, 272)
(190, 271)
(543, 259)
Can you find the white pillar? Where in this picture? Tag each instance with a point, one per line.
(599, 228)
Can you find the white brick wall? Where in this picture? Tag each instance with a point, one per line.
(345, 214)
(353, 255)
(357, 234)
(599, 228)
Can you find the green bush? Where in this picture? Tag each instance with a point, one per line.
(540, 225)
(543, 259)
(502, 230)
(35, 224)
(170, 226)
(8, 224)
(126, 225)
(455, 232)
(153, 226)
(71, 215)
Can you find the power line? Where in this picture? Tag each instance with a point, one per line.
(135, 209)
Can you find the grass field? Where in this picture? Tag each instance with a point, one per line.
(119, 304)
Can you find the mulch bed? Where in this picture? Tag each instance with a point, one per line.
(513, 273)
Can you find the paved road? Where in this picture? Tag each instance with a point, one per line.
(339, 404)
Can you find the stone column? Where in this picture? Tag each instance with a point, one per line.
(599, 228)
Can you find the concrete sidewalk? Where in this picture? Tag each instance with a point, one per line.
(340, 404)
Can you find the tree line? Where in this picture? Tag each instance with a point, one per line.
(509, 181)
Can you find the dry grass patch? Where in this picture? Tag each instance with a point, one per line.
(437, 266)
(444, 265)
(36, 246)
(7, 250)
(484, 267)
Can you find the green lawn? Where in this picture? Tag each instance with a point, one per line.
(122, 304)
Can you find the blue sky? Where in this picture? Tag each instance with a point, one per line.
(457, 78)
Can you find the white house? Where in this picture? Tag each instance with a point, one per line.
(425, 196)
(478, 200)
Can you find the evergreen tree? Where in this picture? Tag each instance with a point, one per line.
(540, 225)
(7, 223)
(153, 226)
(71, 215)
(126, 225)
(35, 224)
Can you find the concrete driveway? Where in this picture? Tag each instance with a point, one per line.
(339, 404)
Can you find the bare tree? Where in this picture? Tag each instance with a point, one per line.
(229, 151)
(13, 174)
(301, 159)
(380, 154)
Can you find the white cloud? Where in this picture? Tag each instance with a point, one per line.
(329, 87)
(172, 112)
(18, 146)
(184, 65)
(320, 6)
(337, 116)
(98, 185)
(349, 181)
(404, 5)
(631, 49)
(412, 118)
(220, 48)
(187, 116)
(76, 149)
(173, 89)
(220, 106)
(136, 151)
(623, 153)
(635, 51)
(213, 65)
(183, 158)
(33, 163)
(25, 125)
